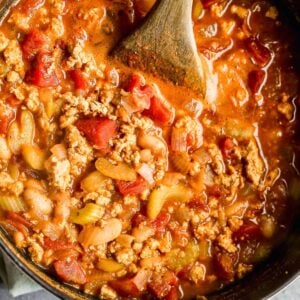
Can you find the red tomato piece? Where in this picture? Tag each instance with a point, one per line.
(13, 101)
(4, 122)
(18, 226)
(80, 82)
(34, 42)
(260, 53)
(125, 287)
(70, 272)
(215, 191)
(18, 218)
(131, 286)
(141, 92)
(256, 79)
(18, 222)
(173, 294)
(159, 112)
(131, 187)
(98, 131)
(56, 245)
(227, 147)
(161, 222)
(247, 231)
(137, 219)
(41, 74)
(198, 204)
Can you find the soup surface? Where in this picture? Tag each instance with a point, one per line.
(124, 185)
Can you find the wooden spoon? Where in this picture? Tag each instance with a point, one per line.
(165, 46)
(5, 6)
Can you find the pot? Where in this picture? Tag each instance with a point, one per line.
(268, 278)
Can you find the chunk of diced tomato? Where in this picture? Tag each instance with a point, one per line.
(159, 112)
(256, 79)
(80, 82)
(13, 101)
(160, 223)
(132, 286)
(248, 231)
(34, 42)
(18, 222)
(141, 92)
(42, 74)
(98, 131)
(125, 287)
(4, 122)
(173, 294)
(70, 271)
(227, 147)
(137, 219)
(131, 187)
(259, 52)
(18, 218)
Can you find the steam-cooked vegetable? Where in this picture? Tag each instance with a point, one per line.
(163, 193)
(121, 171)
(182, 162)
(91, 213)
(12, 203)
(197, 10)
(94, 182)
(109, 265)
(34, 156)
(177, 260)
(22, 132)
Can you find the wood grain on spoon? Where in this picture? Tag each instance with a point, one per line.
(5, 6)
(165, 46)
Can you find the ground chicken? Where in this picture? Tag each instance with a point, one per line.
(254, 165)
(80, 153)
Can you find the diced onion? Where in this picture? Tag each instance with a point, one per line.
(146, 172)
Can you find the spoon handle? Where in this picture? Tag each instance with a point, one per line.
(5, 6)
